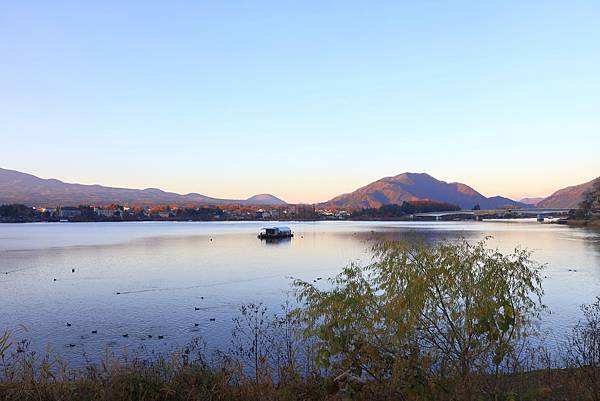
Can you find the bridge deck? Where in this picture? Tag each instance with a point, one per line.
(496, 211)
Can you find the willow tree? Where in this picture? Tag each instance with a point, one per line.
(424, 320)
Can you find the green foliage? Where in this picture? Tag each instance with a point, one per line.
(422, 317)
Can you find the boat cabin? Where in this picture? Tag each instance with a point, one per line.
(276, 232)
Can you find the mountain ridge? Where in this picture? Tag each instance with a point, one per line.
(568, 197)
(18, 187)
(417, 186)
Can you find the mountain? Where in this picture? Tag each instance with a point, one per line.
(568, 197)
(264, 199)
(531, 201)
(17, 187)
(415, 186)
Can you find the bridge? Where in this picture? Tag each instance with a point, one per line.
(540, 213)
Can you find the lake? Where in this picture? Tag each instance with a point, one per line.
(149, 278)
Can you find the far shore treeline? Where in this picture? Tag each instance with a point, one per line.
(21, 213)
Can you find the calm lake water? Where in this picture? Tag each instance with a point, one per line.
(146, 279)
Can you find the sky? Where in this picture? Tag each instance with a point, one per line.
(301, 99)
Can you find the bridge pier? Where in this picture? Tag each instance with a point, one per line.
(540, 218)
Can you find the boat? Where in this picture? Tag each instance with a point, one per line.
(276, 232)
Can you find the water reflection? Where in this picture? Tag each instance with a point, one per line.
(171, 279)
(277, 241)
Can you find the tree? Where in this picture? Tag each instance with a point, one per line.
(16, 212)
(591, 199)
(584, 348)
(425, 319)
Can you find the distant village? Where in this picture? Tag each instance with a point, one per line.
(115, 212)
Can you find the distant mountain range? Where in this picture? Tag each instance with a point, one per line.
(17, 187)
(568, 197)
(531, 201)
(418, 186)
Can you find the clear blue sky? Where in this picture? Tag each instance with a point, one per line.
(207, 96)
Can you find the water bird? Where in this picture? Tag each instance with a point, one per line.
(161, 337)
(201, 297)
(94, 331)
(125, 335)
(71, 345)
(212, 319)
(68, 324)
(72, 270)
(149, 335)
(196, 324)
(196, 308)
(54, 280)
(118, 293)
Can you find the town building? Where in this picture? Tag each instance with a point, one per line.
(67, 212)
